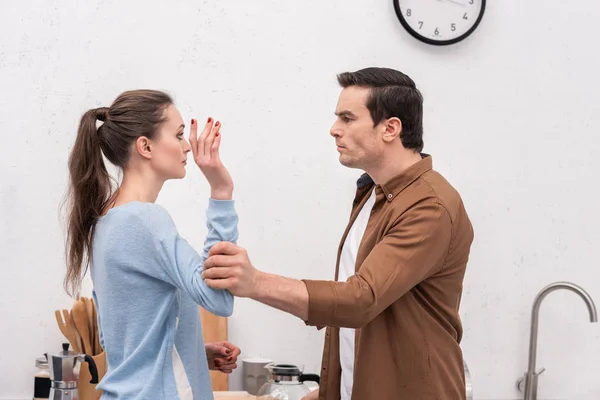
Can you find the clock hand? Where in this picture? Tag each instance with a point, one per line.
(455, 2)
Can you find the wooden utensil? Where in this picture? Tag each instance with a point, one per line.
(89, 306)
(80, 317)
(71, 322)
(65, 328)
(96, 330)
(214, 329)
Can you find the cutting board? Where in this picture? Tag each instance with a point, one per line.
(214, 329)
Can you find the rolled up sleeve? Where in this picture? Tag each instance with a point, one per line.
(413, 249)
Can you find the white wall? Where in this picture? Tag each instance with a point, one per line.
(511, 120)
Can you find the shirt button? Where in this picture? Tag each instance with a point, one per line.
(390, 196)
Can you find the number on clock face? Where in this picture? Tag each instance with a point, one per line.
(440, 21)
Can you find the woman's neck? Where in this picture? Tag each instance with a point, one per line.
(138, 186)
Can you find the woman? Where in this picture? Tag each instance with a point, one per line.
(147, 283)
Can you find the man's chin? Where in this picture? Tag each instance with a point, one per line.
(347, 163)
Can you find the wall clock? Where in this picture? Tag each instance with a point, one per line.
(440, 22)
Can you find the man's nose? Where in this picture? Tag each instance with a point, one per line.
(335, 131)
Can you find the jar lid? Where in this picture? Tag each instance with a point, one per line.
(286, 370)
(41, 362)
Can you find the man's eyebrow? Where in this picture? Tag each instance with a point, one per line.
(344, 113)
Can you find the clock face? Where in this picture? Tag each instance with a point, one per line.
(440, 22)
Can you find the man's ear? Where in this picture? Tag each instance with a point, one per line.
(393, 129)
(143, 147)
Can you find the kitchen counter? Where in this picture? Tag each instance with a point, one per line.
(233, 395)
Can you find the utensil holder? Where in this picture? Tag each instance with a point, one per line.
(87, 390)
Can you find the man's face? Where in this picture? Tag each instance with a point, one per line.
(359, 143)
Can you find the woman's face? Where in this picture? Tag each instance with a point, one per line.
(170, 147)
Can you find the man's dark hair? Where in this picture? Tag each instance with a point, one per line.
(393, 94)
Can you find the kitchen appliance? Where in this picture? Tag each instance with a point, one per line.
(64, 373)
(286, 382)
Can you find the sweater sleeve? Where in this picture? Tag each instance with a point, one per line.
(181, 265)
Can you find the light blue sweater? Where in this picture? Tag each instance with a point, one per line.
(147, 287)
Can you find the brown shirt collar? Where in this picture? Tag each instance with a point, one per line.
(398, 183)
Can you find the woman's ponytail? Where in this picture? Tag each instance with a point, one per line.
(89, 191)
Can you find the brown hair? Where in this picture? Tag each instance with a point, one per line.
(393, 94)
(132, 115)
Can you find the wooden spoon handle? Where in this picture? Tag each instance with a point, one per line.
(96, 329)
(65, 329)
(79, 343)
(82, 324)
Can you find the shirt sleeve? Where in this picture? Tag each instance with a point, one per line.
(414, 248)
(182, 266)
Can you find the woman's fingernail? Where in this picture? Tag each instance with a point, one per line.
(230, 358)
(209, 120)
(218, 123)
(193, 121)
(218, 134)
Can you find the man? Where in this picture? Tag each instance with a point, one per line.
(393, 326)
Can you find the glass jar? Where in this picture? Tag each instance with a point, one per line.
(286, 382)
(41, 386)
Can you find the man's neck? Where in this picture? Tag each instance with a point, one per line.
(393, 165)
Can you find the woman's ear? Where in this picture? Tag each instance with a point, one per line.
(143, 147)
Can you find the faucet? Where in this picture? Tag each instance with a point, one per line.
(528, 383)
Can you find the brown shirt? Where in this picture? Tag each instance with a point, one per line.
(403, 300)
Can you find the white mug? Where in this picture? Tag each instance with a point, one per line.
(255, 373)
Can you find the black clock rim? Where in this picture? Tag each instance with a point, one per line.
(424, 39)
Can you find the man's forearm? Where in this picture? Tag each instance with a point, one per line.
(286, 294)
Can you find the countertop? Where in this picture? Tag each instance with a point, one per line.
(233, 395)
